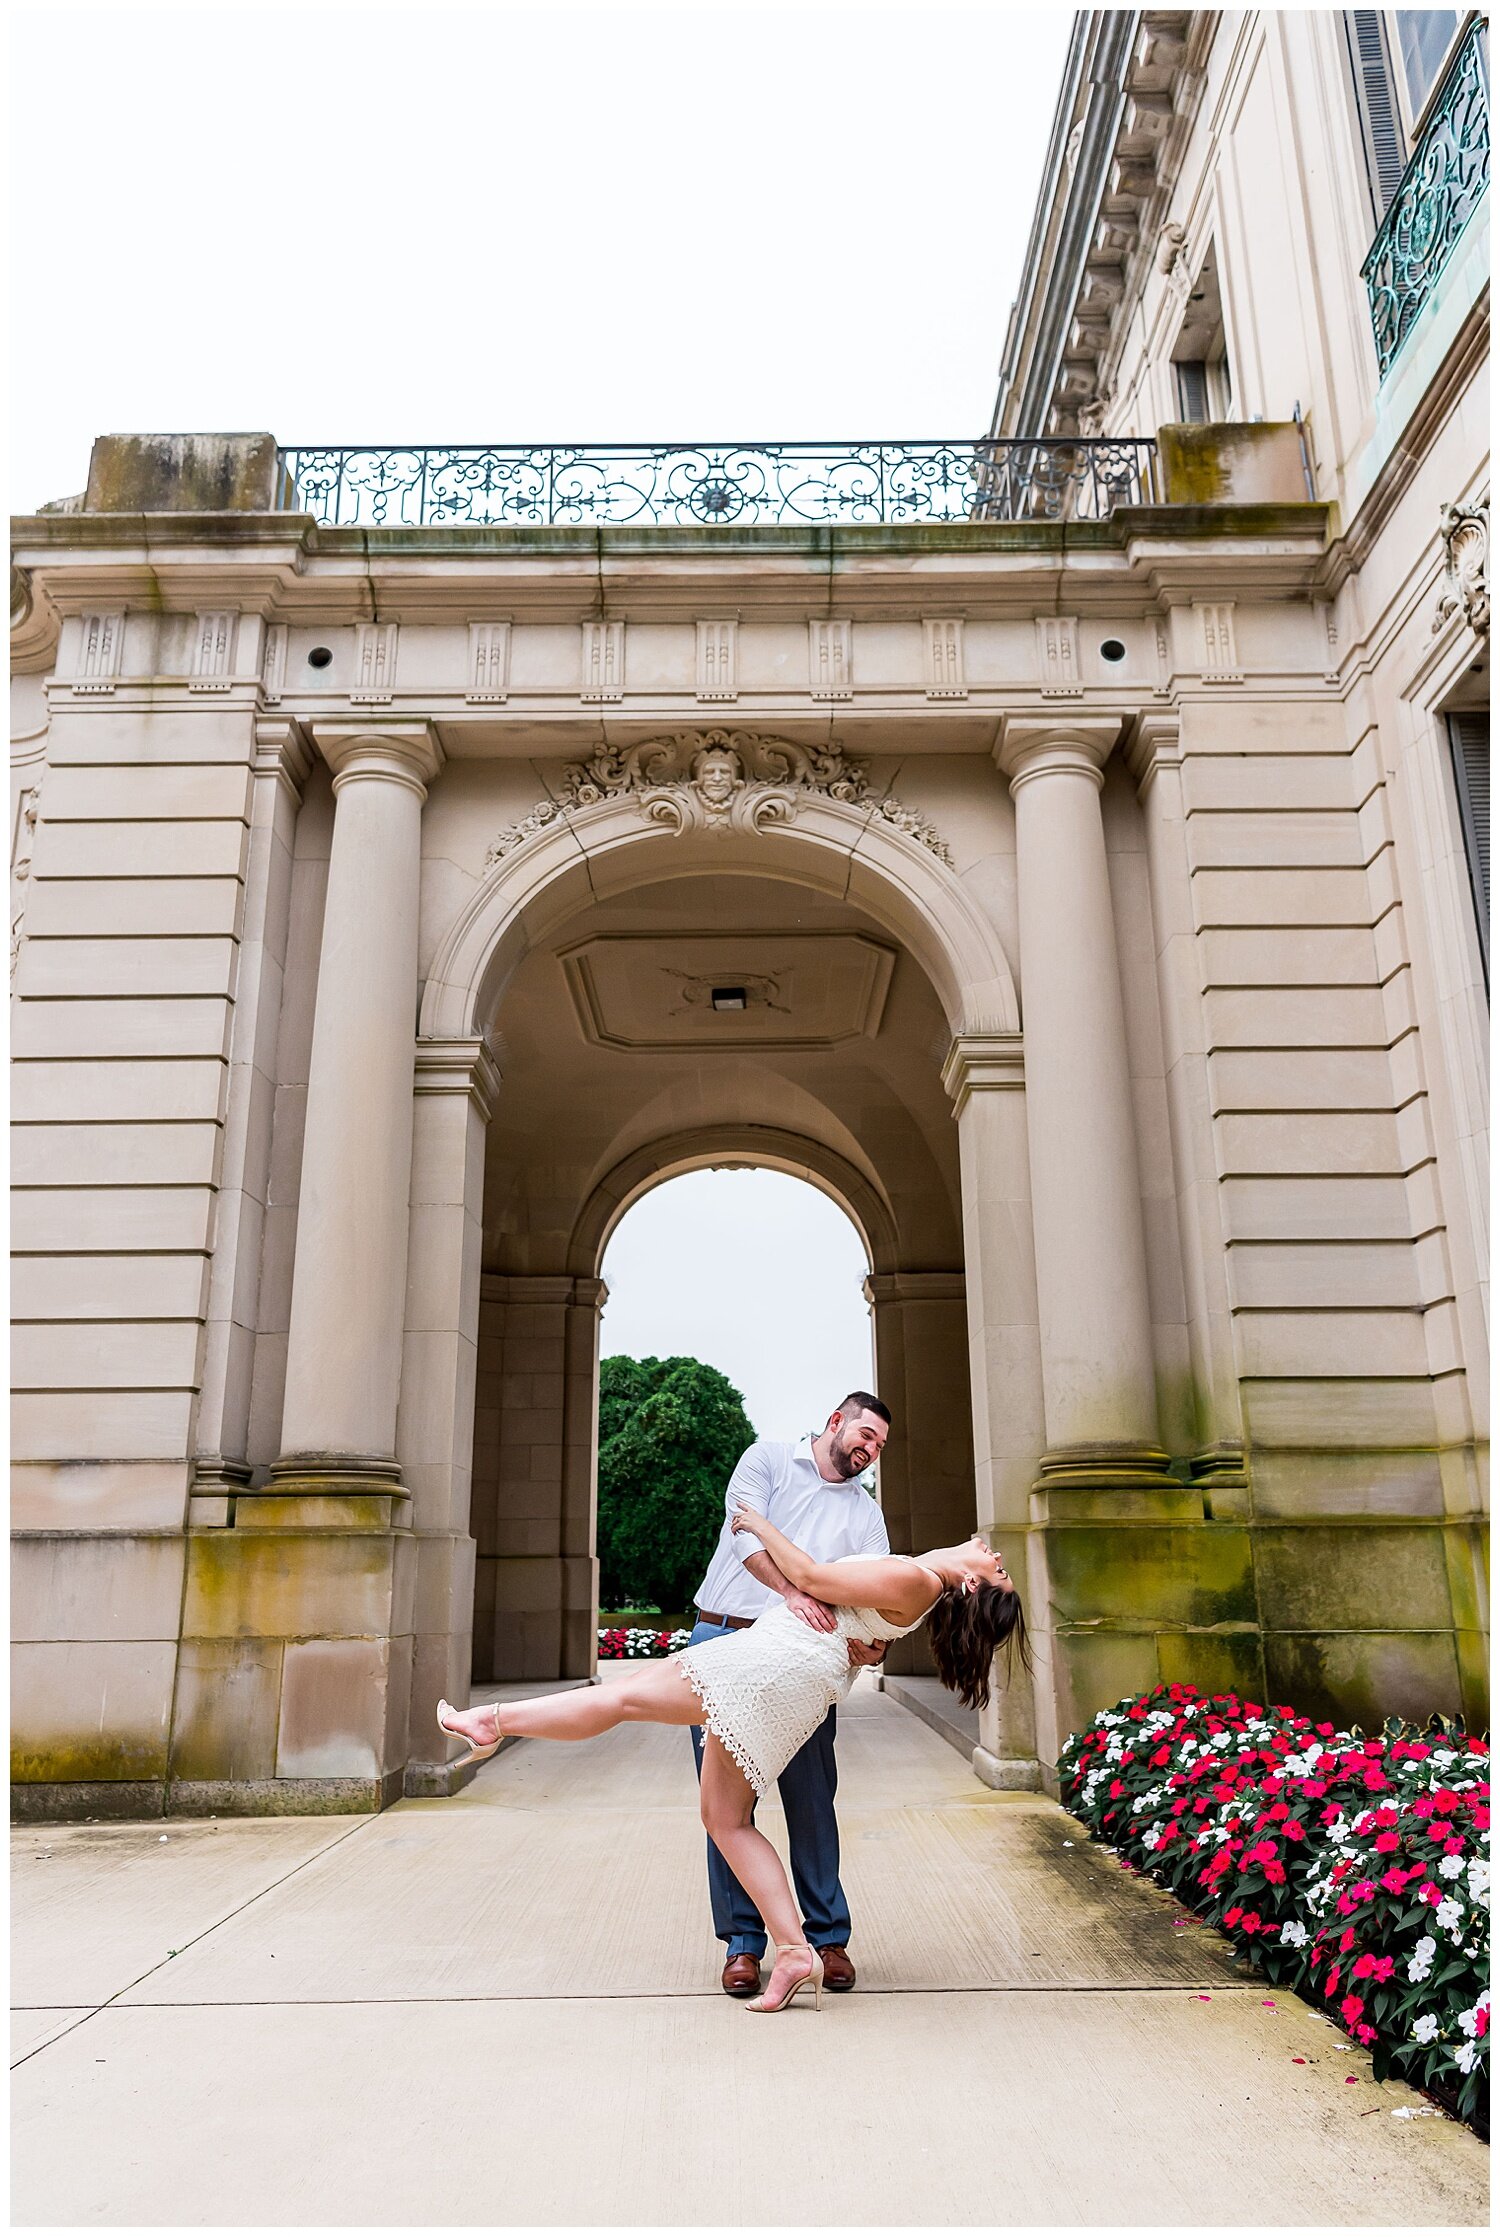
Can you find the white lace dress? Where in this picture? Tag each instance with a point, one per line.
(766, 1690)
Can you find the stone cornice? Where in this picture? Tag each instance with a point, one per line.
(458, 1068)
(287, 567)
(907, 1288)
(977, 1062)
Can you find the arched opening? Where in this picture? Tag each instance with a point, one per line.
(755, 1281)
(660, 1028)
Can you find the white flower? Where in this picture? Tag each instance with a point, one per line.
(1425, 2030)
(1479, 1878)
(1149, 1840)
(1465, 2057)
(1469, 2021)
(1421, 1959)
(1450, 1915)
(1295, 1933)
(1440, 1756)
(1338, 1829)
(1450, 1867)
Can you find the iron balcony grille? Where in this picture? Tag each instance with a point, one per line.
(717, 484)
(1440, 190)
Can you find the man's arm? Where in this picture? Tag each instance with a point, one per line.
(750, 1486)
(813, 1612)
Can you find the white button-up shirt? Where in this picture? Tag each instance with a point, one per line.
(827, 1520)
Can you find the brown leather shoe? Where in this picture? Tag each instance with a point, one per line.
(741, 1975)
(838, 1972)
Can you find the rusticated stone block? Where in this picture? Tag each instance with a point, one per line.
(228, 1700)
(1145, 1574)
(1363, 1677)
(291, 1585)
(1349, 1579)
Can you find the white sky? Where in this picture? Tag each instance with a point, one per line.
(497, 223)
(756, 1273)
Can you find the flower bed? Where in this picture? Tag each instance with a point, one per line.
(636, 1645)
(1355, 1870)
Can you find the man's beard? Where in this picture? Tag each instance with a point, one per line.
(842, 1461)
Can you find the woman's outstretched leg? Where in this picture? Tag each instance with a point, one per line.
(727, 1800)
(659, 1695)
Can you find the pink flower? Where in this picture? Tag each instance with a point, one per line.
(1427, 1893)
(1352, 2008)
(1395, 1880)
(1387, 1843)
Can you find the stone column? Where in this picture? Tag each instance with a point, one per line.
(983, 1074)
(1155, 758)
(456, 1084)
(535, 1473)
(349, 1273)
(1098, 1372)
(220, 1469)
(927, 1471)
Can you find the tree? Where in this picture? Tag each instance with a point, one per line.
(670, 1432)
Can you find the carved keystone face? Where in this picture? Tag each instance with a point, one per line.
(717, 775)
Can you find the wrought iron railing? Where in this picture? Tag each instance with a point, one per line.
(718, 484)
(1440, 190)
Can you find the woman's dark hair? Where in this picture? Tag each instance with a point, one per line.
(966, 1628)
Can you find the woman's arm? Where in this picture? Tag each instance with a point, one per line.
(903, 1587)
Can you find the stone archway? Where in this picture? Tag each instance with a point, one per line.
(849, 865)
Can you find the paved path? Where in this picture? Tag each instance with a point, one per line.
(274, 2022)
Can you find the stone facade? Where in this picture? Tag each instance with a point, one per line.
(1100, 894)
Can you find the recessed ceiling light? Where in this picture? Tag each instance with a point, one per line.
(728, 998)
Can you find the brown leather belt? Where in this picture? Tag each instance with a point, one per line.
(730, 1623)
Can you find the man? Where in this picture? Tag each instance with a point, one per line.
(808, 1491)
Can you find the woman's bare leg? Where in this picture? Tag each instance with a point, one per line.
(727, 1799)
(657, 1695)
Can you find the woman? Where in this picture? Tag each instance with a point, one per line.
(763, 1691)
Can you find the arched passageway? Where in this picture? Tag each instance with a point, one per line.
(678, 1024)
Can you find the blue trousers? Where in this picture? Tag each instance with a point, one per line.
(807, 1786)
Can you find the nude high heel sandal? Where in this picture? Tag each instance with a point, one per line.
(476, 1754)
(814, 1980)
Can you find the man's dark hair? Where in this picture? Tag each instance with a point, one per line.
(864, 1402)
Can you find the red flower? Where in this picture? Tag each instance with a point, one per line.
(1233, 1915)
(1387, 1843)
(1276, 1874)
(1395, 1879)
(1352, 2009)
(1346, 1942)
(1453, 1848)
(1332, 1982)
(1365, 2034)
(1427, 1893)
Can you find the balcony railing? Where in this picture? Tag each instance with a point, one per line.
(1440, 189)
(718, 485)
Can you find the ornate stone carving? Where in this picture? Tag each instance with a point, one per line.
(717, 780)
(1466, 566)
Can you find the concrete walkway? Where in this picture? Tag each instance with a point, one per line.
(504, 2010)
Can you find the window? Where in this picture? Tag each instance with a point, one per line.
(1381, 128)
(1200, 365)
(1397, 57)
(1469, 737)
(1423, 36)
(1192, 390)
